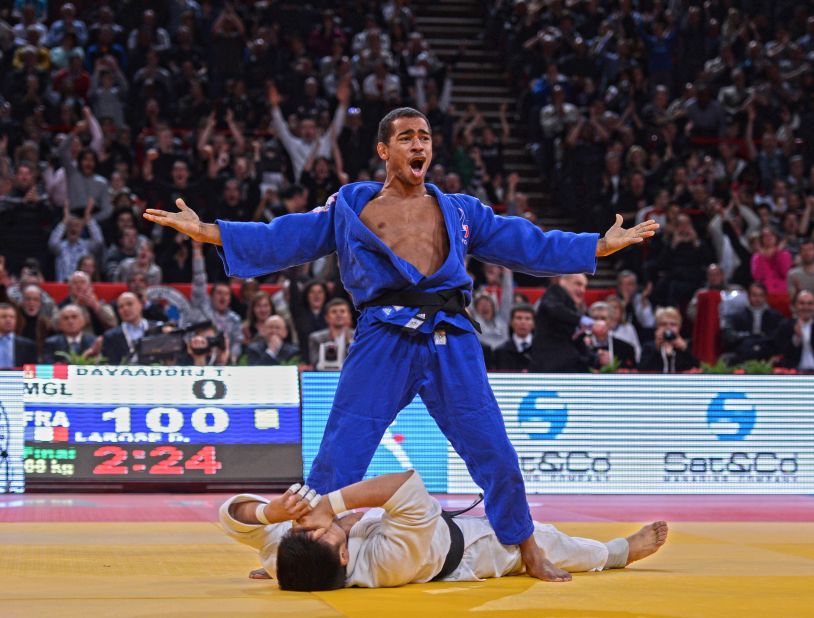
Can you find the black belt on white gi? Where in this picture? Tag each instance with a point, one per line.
(456, 540)
(428, 304)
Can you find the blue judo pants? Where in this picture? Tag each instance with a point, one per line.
(385, 368)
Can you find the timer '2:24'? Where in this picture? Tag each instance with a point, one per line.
(204, 460)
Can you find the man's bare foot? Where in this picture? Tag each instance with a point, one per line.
(547, 572)
(538, 566)
(646, 541)
(259, 574)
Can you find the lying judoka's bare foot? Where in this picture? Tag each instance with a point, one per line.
(548, 572)
(538, 566)
(259, 574)
(646, 541)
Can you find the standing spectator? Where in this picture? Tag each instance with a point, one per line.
(771, 263)
(33, 323)
(83, 183)
(307, 312)
(557, 347)
(67, 23)
(300, 147)
(514, 354)
(802, 277)
(67, 244)
(25, 218)
(72, 337)
(143, 262)
(214, 307)
(669, 352)
(15, 351)
(80, 292)
(637, 308)
(681, 264)
(126, 246)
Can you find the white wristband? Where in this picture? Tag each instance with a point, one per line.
(337, 502)
(260, 513)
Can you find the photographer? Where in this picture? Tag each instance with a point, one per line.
(330, 346)
(670, 352)
(206, 347)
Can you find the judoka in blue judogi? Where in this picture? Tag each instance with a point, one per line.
(401, 351)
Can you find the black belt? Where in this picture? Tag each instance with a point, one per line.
(428, 304)
(456, 541)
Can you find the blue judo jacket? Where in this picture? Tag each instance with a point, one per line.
(369, 268)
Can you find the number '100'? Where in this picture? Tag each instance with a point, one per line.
(171, 420)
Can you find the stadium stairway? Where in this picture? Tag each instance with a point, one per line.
(479, 78)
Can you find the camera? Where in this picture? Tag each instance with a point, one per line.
(158, 346)
(669, 335)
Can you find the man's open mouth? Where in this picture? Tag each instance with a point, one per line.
(417, 165)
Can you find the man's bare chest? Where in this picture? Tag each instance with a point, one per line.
(413, 222)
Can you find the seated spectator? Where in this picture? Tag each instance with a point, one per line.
(604, 349)
(329, 347)
(34, 323)
(259, 310)
(619, 326)
(206, 347)
(514, 354)
(794, 336)
(143, 262)
(72, 338)
(272, 348)
(214, 307)
(669, 352)
(120, 344)
(603, 336)
(152, 311)
(771, 263)
(67, 244)
(802, 277)
(15, 351)
(556, 347)
(101, 316)
(749, 332)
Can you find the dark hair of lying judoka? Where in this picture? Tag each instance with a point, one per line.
(305, 565)
(386, 123)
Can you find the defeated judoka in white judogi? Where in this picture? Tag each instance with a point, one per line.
(407, 540)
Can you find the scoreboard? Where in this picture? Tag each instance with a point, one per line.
(162, 424)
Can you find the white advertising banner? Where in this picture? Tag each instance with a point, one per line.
(687, 434)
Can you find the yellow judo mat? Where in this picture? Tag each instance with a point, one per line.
(191, 570)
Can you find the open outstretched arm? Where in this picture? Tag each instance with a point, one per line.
(187, 222)
(617, 237)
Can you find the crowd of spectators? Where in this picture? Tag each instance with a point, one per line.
(698, 116)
